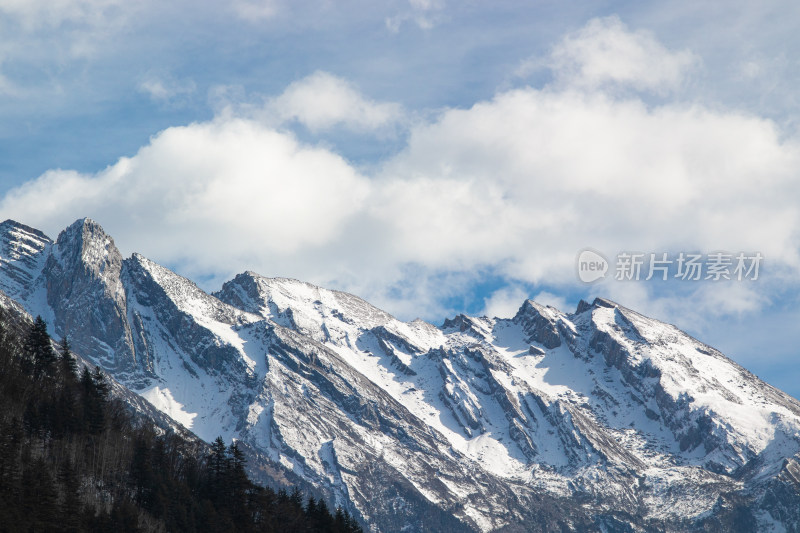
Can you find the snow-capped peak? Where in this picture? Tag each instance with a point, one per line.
(21, 253)
(609, 418)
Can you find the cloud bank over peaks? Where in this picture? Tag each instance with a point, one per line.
(229, 191)
(511, 187)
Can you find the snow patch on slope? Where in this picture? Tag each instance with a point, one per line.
(162, 399)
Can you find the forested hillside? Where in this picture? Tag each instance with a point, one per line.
(73, 459)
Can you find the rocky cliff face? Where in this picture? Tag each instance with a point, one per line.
(84, 290)
(22, 251)
(602, 419)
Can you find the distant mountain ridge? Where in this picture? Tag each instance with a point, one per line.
(598, 420)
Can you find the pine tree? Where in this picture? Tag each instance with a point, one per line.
(100, 384)
(323, 517)
(352, 523)
(311, 507)
(11, 442)
(66, 413)
(217, 463)
(41, 357)
(8, 346)
(69, 366)
(141, 472)
(237, 486)
(296, 498)
(71, 502)
(339, 521)
(94, 391)
(39, 497)
(87, 385)
(216, 474)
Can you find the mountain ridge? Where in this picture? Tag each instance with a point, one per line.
(601, 419)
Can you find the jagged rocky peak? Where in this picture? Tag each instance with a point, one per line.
(154, 283)
(584, 306)
(85, 243)
(466, 324)
(15, 235)
(298, 304)
(85, 292)
(22, 243)
(605, 302)
(540, 323)
(21, 248)
(84, 264)
(607, 314)
(243, 292)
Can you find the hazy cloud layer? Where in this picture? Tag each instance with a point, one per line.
(424, 13)
(52, 13)
(256, 10)
(166, 88)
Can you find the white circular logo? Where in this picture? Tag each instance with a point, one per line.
(592, 266)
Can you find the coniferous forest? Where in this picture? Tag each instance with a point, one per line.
(72, 459)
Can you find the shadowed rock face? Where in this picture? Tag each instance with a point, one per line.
(602, 419)
(539, 323)
(84, 290)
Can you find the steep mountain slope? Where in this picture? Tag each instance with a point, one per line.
(602, 419)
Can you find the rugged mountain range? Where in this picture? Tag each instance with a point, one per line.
(597, 420)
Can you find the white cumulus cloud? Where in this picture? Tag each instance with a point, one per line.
(606, 54)
(216, 194)
(323, 101)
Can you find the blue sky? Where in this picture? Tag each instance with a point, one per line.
(431, 156)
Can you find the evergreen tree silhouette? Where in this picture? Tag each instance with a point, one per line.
(69, 366)
(94, 391)
(41, 356)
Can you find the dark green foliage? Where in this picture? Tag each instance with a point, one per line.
(39, 496)
(41, 358)
(69, 366)
(71, 460)
(71, 504)
(94, 393)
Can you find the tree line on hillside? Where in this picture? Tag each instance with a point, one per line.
(72, 459)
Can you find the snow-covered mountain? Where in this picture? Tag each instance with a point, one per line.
(597, 420)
